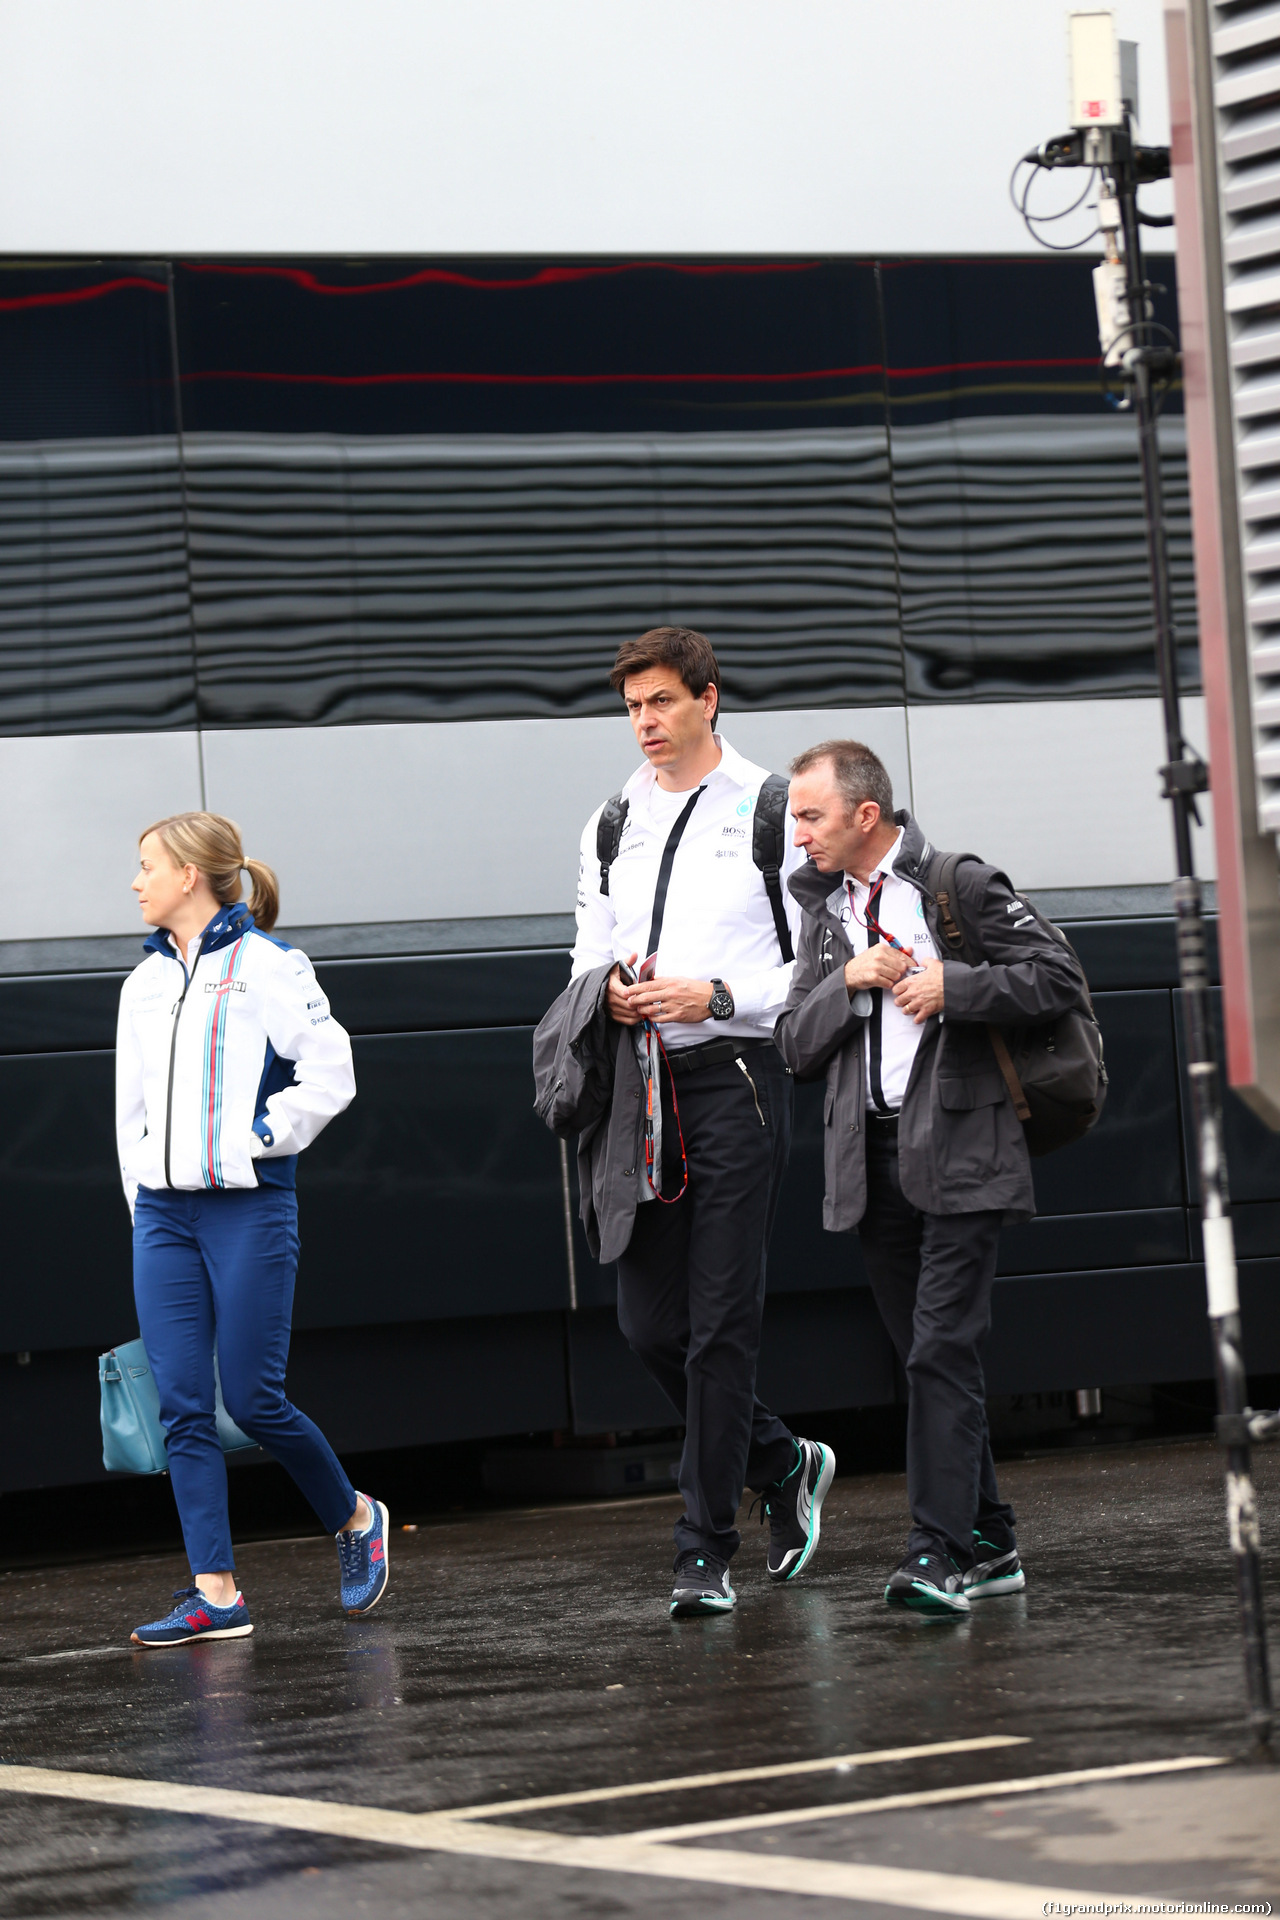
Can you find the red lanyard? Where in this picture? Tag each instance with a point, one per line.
(870, 924)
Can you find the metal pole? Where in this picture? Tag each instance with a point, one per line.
(1185, 776)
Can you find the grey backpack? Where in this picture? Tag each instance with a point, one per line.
(1055, 1073)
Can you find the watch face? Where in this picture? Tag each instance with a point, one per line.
(721, 1004)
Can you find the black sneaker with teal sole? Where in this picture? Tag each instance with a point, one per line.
(195, 1618)
(996, 1570)
(702, 1585)
(794, 1507)
(928, 1583)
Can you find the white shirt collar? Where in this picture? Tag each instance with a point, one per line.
(733, 768)
(887, 866)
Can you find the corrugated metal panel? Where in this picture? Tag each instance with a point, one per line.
(1023, 557)
(370, 579)
(1246, 90)
(341, 580)
(95, 630)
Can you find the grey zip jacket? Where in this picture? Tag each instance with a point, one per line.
(586, 1082)
(961, 1146)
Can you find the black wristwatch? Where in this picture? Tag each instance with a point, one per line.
(721, 1001)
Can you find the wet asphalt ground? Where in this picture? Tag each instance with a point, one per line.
(526, 1654)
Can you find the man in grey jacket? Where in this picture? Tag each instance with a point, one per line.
(924, 1152)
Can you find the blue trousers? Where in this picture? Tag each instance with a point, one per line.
(222, 1264)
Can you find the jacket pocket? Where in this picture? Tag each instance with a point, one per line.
(828, 1106)
(975, 1090)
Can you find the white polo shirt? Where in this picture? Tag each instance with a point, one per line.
(718, 922)
(892, 1035)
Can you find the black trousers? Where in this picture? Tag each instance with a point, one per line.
(931, 1274)
(691, 1285)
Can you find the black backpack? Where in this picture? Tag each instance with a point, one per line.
(1055, 1073)
(768, 847)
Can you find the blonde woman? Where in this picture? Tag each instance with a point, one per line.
(228, 1064)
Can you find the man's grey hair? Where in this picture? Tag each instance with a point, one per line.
(859, 774)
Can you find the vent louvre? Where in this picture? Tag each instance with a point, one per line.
(1246, 83)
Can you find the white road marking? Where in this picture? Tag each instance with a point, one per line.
(969, 1897)
(680, 1783)
(934, 1797)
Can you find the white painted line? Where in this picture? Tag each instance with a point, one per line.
(935, 1797)
(971, 1898)
(683, 1782)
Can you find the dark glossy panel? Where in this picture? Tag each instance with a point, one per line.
(58, 1012)
(51, 1013)
(1061, 1243)
(1132, 1159)
(1133, 953)
(437, 1193)
(611, 1390)
(1017, 492)
(1119, 1328)
(1256, 1225)
(446, 1380)
(511, 346)
(407, 991)
(68, 1252)
(455, 990)
(824, 1350)
(1253, 1151)
(95, 630)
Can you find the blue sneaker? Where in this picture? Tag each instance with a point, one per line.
(362, 1561)
(195, 1618)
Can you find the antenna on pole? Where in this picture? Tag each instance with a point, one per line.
(1144, 357)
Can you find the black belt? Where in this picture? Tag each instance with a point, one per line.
(889, 1121)
(711, 1053)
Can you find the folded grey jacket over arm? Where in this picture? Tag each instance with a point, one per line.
(587, 1081)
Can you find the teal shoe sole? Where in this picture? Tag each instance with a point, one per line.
(820, 1492)
(924, 1599)
(991, 1589)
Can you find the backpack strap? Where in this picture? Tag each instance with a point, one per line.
(609, 829)
(941, 882)
(768, 850)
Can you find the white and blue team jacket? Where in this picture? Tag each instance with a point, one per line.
(224, 1075)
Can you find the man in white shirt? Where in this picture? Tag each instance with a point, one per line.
(671, 879)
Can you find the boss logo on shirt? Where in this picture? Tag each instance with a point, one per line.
(734, 833)
(225, 986)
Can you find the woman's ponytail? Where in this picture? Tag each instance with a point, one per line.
(212, 843)
(264, 901)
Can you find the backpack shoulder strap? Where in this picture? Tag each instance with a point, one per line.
(941, 883)
(768, 850)
(940, 880)
(609, 827)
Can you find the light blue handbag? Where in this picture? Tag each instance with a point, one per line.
(132, 1437)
